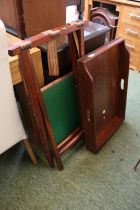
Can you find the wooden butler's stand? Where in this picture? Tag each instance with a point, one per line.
(128, 26)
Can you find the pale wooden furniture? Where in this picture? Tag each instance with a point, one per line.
(14, 62)
(29, 150)
(128, 26)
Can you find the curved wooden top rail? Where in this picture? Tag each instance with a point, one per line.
(46, 36)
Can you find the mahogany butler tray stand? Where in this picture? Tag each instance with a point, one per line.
(103, 78)
(38, 100)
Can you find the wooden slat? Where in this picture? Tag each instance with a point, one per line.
(52, 58)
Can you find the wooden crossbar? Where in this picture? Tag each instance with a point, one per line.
(46, 36)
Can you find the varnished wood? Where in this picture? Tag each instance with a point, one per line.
(27, 116)
(45, 37)
(26, 63)
(29, 17)
(113, 2)
(9, 19)
(35, 98)
(43, 15)
(55, 82)
(14, 63)
(74, 52)
(71, 143)
(38, 108)
(11, 13)
(68, 138)
(15, 68)
(29, 150)
(102, 15)
(102, 86)
(19, 16)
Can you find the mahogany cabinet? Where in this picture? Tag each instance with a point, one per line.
(30, 17)
(12, 15)
(43, 14)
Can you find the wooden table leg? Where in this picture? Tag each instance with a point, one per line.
(30, 151)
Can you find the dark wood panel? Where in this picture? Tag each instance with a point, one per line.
(43, 15)
(30, 17)
(8, 13)
(103, 78)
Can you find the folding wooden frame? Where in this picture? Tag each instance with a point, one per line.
(75, 32)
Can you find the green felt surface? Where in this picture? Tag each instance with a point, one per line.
(62, 107)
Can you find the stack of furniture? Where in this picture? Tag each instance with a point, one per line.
(56, 106)
(54, 109)
(94, 37)
(128, 26)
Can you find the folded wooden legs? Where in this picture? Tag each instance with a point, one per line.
(30, 151)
